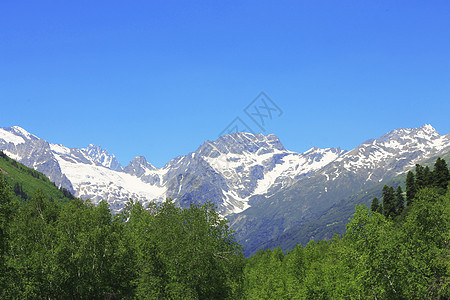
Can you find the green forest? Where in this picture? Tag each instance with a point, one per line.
(54, 246)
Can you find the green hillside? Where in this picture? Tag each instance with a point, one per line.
(26, 181)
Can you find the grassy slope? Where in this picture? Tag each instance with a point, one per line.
(30, 179)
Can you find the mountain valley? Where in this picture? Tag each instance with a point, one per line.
(265, 190)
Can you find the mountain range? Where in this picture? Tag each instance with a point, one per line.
(264, 189)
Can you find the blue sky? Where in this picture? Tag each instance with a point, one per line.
(158, 78)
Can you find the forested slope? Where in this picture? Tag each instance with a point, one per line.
(76, 250)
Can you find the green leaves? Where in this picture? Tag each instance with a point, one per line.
(32, 247)
(411, 189)
(82, 251)
(88, 251)
(185, 252)
(6, 209)
(389, 209)
(378, 257)
(441, 174)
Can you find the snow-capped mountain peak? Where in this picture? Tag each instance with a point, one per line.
(425, 132)
(139, 167)
(22, 132)
(102, 157)
(240, 142)
(16, 135)
(8, 137)
(391, 154)
(253, 165)
(429, 129)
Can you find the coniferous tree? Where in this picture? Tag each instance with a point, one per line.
(441, 174)
(17, 188)
(410, 188)
(399, 200)
(18, 191)
(388, 201)
(375, 205)
(427, 176)
(420, 177)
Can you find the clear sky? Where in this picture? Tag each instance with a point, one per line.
(158, 78)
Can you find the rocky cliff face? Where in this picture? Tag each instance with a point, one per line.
(102, 157)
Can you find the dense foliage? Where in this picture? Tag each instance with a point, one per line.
(81, 251)
(77, 250)
(395, 252)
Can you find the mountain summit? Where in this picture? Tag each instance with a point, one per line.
(240, 142)
(102, 156)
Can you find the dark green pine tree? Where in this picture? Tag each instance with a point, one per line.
(410, 188)
(427, 176)
(375, 205)
(17, 188)
(441, 174)
(18, 191)
(420, 177)
(399, 201)
(388, 201)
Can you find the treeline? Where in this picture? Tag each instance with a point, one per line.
(79, 251)
(390, 251)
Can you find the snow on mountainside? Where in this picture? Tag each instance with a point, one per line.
(102, 157)
(391, 154)
(234, 171)
(92, 180)
(259, 165)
